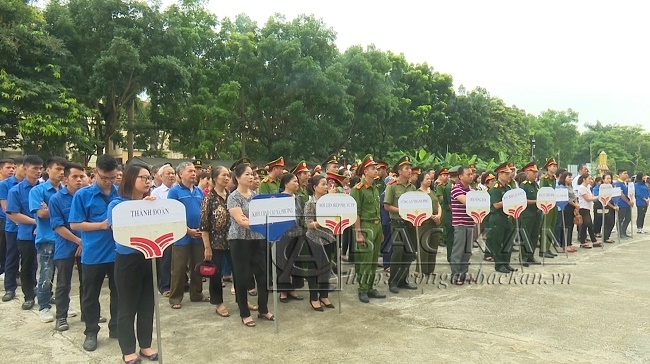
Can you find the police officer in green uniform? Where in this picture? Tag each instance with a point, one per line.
(530, 217)
(382, 173)
(302, 174)
(331, 164)
(441, 183)
(367, 230)
(500, 235)
(548, 225)
(271, 183)
(446, 210)
(402, 232)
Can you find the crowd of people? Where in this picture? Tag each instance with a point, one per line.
(59, 220)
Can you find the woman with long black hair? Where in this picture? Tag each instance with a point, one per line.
(585, 200)
(291, 239)
(133, 276)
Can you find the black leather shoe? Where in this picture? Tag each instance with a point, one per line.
(547, 255)
(363, 297)
(510, 268)
(9, 295)
(533, 261)
(502, 270)
(375, 294)
(27, 305)
(407, 286)
(90, 343)
(393, 289)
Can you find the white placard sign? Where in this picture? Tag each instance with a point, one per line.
(477, 205)
(149, 226)
(278, 209)
(561, 194)
(616, 192)
(336, 211)
(546, 199)
(514, 202)
(631, 190)
(605, 193)
(415, 207)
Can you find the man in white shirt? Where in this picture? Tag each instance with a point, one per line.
(168, 179)
(582, 170)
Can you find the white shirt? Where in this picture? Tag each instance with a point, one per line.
(584, 204)
(160, 192)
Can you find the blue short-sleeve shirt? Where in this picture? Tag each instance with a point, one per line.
(18, 203)
(192, 201)
(119, 248)
(622, 204)
(59, 207)
(91, 204)
(39, 194)
(5, 186)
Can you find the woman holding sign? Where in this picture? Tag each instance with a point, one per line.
(290, 241)
(586, 200)
(246, 248)
(318, 237)
(429, 230)
(133, 276)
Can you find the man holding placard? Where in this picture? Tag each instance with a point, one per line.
(402, 232)
(624, 203)
(502, 227)
(530, 218)
(368, 230)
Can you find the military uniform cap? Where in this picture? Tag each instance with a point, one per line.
(244, 160)
(488, 177)
(300, 167)
(353, 168)
(262, 172)
(530, 167)
(402, 161)
(367, 162)
(336, 178)
(504, 167)
(332, 159)
(453, 171)
(472, 167)
(550, 162)
(416, 170)
(275, 163)
(442, 171)
(198, 164)
(382, 164)
(512, 166)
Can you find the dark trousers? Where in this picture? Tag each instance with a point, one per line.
(3, 246)
(319, 284)
(386, 245)
(216, 289)
(92, 286)
(165, 271)
(598, 217)
(624, 219)
(587, 226)
(565, 233)
(248, 258)
(499, 240)
(404, 250)
(64, 271)
(640, 216)
(348, 239)
(12, 262)
(610, 221)
(28, 264)
(135, 290)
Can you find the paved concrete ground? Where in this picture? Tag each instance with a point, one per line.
(601, 316)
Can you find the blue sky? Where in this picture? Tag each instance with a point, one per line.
(583, 55)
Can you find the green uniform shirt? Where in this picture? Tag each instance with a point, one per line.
(446, 198)
(367, 198)
(268, 185)
(393, 192)
(496, 195)
(381, 185)
(531, 188)
(440, 192)
(547, 181)
(302, 196)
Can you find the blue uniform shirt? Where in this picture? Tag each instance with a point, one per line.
(120, 249)
(192, 201)
(18, 203)
(42, 193)
(59, 206)
(91, 204)
(5, 186)
(622, 204)
(640, 193)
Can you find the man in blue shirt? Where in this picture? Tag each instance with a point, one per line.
(88, 214)
(67, 243)
(39, 198)
(190, 246)
(18, 211)
(6, 171)
(624, 204)
(12, 257)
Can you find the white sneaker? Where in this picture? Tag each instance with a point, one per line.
(46, 315)
(72, 313)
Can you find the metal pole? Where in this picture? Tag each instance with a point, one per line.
(156, 309)
(339, 244)
(543, 247)
(603, 225)
(564, 233)
(274, 253)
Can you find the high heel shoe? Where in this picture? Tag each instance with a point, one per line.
(319, 308)
(328, 305)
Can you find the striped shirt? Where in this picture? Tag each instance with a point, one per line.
(459, 215)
